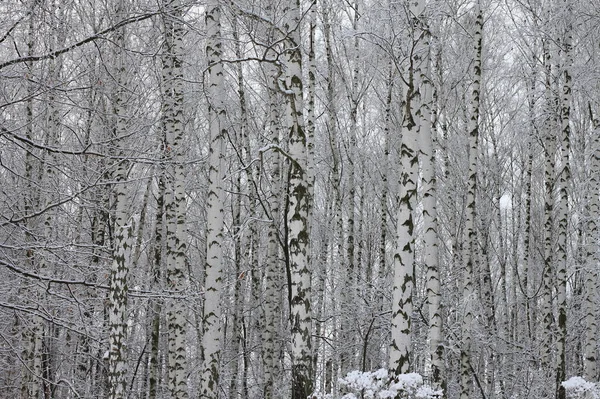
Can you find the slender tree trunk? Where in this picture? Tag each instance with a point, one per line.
(175, 207)
(298, 211)
(563, 210)
(310, 108)
(547, 328)
(214, 256)
(470, 235)
(117, 319)
(590, 356)
(155, 306)
(337, 255)
(349, 345)
(413, 122)
(30, 371)
(525, 270)
(430, 238)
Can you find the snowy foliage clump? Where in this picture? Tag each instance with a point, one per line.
(379, 385)
(578, 388)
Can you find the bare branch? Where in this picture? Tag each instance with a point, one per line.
(80, 43)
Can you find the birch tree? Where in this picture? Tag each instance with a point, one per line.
(211, 339)
(470, 234)
(176, 203)
(546, 332)
(413, 122)
(350, 271)
(590, 356)
(271, 306)
(430, 235)
(117, 356)
(298, 210)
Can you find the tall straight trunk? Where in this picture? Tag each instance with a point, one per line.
(413, 121)
(157, 261)
(30, 371)
(470, 234)
(238, 296)
(383, 268)
(155, 305)
(590, 356)
(349, 272)
(319, 291)
(563, 209)
(336, 167)
(430, 236)
(117, 319)
(384, 180)
(274, 264)
(211, 340)
(310, 107)
(240, 258)
(546, 308)
(525, 270)
(175, 207)
(298, 211)
(251, 252)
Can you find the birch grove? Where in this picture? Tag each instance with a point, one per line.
(305, 199)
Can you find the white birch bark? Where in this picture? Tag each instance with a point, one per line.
(310, 108)
(337, 254)
(470, 235)
(430, 235)
(175, 205)
(336, 167)
(117, 360)
(117, 319)
(546, 308)
(31, 369)
(156, 268)
(211, 339)
(274, 264)
(348, 348)
(298, 211)
(563, 207)
(591, 287)
(402, 307)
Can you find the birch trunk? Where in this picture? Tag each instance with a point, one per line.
(349, 345)
(430, 237)
(470, 235)
(298, 211)
(590, 356)
(274, 263)
(563, 210)
(176, 204)
(413, 122)
(117, 319)
(547, 327)
(30, 372)
(157, 263)
(211, 340)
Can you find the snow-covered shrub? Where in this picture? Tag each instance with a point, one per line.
(379, 385)
(579, 388)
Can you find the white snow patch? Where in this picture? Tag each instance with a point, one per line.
(578, 387)
(505, 201)
(379, 385)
